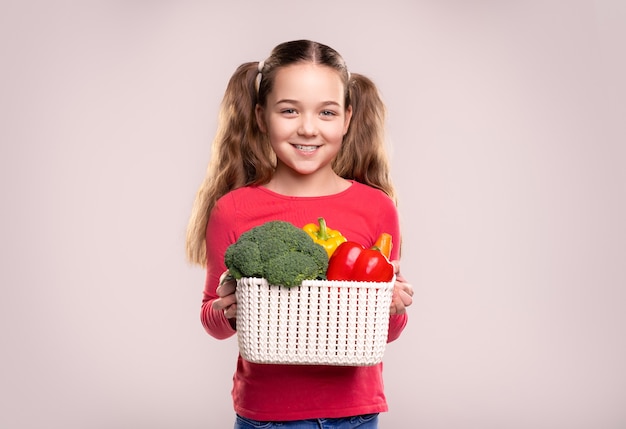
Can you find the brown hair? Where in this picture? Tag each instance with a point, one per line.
(241, 154)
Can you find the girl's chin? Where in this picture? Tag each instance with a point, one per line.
(308, 169)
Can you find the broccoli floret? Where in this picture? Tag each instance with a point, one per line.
(319, 254)
(272, 247)
(279, 251)
(245, 259)
(289, 269)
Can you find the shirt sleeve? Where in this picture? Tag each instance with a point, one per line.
(220, 234)
(389, 223)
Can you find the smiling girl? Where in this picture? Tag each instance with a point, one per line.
(299, 138)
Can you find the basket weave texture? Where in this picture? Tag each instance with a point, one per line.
(320, 322)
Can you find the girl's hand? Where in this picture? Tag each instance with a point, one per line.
(227, 301)
(402, 293)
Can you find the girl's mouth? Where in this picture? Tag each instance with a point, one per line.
(305, 148)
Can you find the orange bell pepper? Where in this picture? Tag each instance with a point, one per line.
(384, 244)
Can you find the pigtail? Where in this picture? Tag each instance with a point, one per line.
(240, 156)
(363, 156)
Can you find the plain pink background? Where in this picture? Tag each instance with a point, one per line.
(508, 147)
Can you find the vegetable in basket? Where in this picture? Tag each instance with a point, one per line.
(328, 238)
(384, 244)
(278, 251)
(352, 261)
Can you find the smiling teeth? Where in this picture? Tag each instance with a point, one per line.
(305, 148)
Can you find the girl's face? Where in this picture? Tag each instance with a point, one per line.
(305, 118)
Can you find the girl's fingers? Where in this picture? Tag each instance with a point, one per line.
(224, 302)
(226, 287)
(230, 312)
(402, 297)
(406, 299)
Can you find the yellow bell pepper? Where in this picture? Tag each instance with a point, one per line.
(328, 238)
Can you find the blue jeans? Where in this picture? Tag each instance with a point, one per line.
(365, 421)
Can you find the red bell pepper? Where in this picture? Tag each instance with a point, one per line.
(352, 261)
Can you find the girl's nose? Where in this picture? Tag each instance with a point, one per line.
(307, 127)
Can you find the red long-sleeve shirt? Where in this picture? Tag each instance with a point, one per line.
(295, 392)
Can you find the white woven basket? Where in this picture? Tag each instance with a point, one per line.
(317, 323)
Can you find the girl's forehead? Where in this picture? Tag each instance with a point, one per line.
(308, 79)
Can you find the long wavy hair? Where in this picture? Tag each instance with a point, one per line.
(241, 154)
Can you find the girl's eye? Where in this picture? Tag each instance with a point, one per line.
(327, 113)
(288, 111)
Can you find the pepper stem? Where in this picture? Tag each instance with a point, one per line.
(322, 233)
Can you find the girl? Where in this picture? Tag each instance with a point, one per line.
(299, 138)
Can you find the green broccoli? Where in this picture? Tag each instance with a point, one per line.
(278, 251)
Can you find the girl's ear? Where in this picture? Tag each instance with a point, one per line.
(346, 124)
(260, 120)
